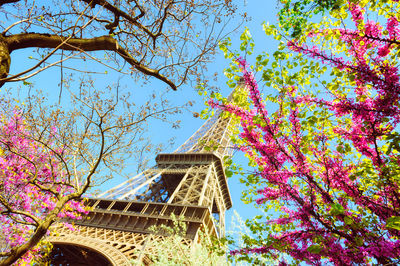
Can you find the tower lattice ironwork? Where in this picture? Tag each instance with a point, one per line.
(189, 183)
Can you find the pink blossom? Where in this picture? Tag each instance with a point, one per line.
(28, 172)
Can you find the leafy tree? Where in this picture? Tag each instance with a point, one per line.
(161, 39)
(172, 248)
(324, 142)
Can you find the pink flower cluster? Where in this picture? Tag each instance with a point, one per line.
(335, 209)
(370, 69)
(31, 180)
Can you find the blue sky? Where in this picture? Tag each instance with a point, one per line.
(258, 10)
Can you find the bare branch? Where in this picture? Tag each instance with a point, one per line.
(119, 13)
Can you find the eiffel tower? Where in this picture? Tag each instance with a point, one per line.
(189, 183)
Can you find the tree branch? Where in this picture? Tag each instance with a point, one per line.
(119, 13)
(39, 232)
(4, 202)
(103, 43)
(3, 2)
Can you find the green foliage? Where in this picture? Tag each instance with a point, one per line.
(295, 14)
(172, 248)
(316, 249)
(393, 222)
(239, 237)
(286, 75)
(336, 210)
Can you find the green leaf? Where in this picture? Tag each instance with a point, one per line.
(228, 173)
(347, 147)
(245, 36)
(336, 209)
(348, 220)
(316, 249)
(393, 222)
(340, 149)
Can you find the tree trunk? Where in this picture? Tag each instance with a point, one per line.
(5, 59)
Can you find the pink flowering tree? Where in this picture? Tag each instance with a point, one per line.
(322, 136)
(50, 158)
(35, 190)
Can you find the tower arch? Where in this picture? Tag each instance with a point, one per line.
(110, 255)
